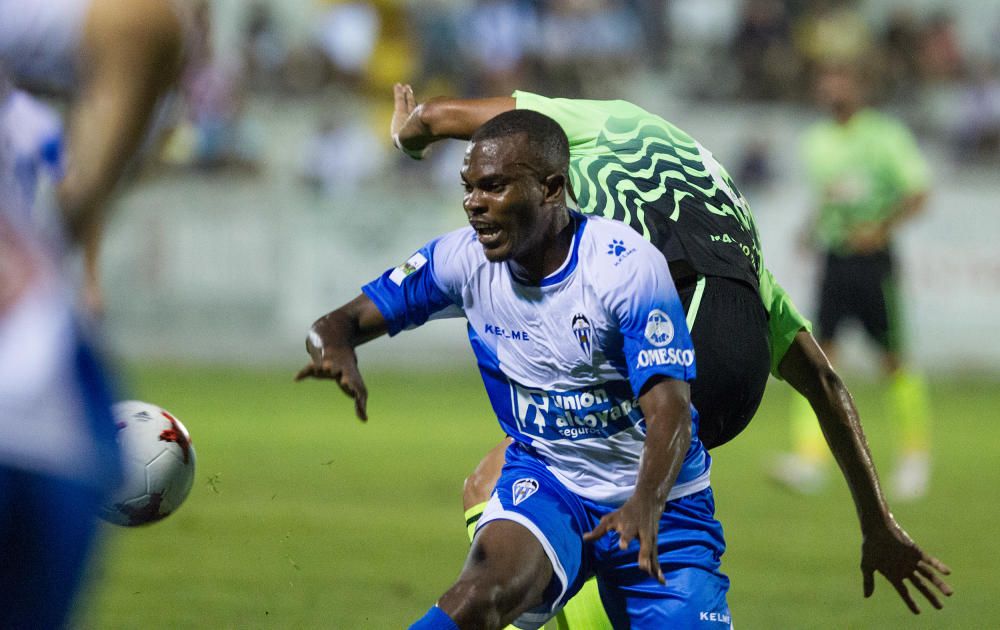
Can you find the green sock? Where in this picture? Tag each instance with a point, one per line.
(807, 438)
(911, 408)
(472, 516)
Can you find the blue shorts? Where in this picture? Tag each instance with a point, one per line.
(47, 528)
(690, 546)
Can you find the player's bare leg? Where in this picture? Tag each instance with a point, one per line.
(505, 574)
(479, 485)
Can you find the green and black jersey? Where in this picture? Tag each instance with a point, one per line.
(633, 166)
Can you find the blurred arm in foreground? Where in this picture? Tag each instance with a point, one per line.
(130, 55)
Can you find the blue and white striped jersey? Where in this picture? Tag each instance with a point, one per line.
(564, 361)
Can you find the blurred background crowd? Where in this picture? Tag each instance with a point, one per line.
(277, 193)
(938, 63)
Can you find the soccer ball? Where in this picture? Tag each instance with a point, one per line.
(158, 462)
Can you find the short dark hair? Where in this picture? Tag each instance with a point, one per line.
(547, 146)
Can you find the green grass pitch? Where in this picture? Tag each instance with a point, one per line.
(302, 517)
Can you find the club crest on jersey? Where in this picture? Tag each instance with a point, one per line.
(659, 328)
(582, 330)
(523, 488)
(401, 272)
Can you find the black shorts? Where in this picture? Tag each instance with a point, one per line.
(732, 355)
(862, 288)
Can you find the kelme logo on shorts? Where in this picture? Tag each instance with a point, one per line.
(523, 488)
(659, 328)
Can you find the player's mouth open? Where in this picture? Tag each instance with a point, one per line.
(487, 234)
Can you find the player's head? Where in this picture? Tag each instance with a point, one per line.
(515, 175)
(840, 87)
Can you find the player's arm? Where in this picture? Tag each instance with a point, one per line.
(416, 126)
(910, 176)
(876, 235)
(908, 207)
(402, 298)
(331, 343)
(666, 405)
(132, 55)
(784, 321)
(886, 547)
(911, 173)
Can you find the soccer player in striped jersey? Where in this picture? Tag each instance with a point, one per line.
(112, 62)
(634, 166)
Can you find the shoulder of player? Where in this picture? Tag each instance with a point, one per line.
(616, 248)
(877, 125)
(819, 131)
(457, 249)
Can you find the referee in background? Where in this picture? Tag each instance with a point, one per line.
(867, 177)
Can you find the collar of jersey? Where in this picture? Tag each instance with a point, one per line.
(570, 264)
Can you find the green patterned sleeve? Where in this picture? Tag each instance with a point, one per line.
(784, 320)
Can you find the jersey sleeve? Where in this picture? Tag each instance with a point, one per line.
(426, 286)
(909, 167)
(784, 320)
(656, 340)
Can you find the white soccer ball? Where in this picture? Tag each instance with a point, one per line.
(158, 461)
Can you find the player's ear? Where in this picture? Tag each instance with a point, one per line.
(555, 188)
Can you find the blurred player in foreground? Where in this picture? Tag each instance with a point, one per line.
(112, 61)
(869, 177)
(636, 167)
(58, 455)
(572, 319)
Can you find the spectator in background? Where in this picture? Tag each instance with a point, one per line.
(339, 157)
(868, 177)
(265, 52)
(762, 47)
(652, 16)
(214, 132)
(494, 37)
(436, 24)
(347, 34)
(900, 41)
(832, 30)
(583, 45)
(977, 132)
(940, 55)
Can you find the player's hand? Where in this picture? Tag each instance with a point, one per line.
(406, 128)
(892, 552)
(636, 519)
(336, 364)
(868, 238)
